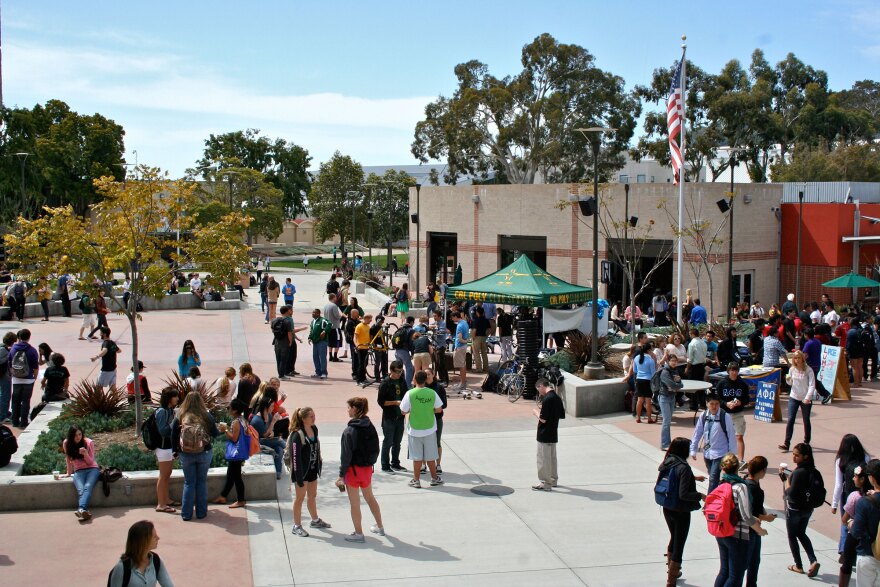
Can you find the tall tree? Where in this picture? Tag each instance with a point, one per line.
(389, 203)
(524, 125)
(284, 164)
(846, 163)
(129, 233)
(337, 198)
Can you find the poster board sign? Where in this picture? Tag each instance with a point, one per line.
(828, 365)
(754, 381)
(765, 400)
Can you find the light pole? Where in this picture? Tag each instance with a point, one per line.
(730, 295)
(797, 273)
(418, 238)
(625, 238)
(594, 368)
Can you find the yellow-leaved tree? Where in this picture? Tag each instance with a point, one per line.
(140, 227)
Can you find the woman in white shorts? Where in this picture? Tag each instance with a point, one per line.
(165, 454)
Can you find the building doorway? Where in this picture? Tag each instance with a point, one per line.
(511, 247)
(661, 279)
(743, 284)
(443, 256)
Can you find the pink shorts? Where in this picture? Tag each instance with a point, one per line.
(357, 476)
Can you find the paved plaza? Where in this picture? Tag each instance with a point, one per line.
(485, 526)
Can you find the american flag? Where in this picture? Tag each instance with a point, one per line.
(674, 120)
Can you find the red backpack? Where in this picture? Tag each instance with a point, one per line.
(720, 511)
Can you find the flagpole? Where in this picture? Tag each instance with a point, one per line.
(681, 171)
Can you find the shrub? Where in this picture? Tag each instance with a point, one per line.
(579, 346)
(128, 457)
(88, 397)
(206, 390)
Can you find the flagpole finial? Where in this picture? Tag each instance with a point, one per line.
(684, 41)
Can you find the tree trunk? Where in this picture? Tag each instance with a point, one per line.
(711, 295)
(138, 405)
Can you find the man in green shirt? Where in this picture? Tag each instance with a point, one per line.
(319, 334)
(421, 403)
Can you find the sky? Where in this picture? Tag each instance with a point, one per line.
(355, 76)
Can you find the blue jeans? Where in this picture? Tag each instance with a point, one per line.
(21, 403)
(85, 480)
(713, 466)
(754, 559)
(734, 561)
(195, 484)
(278, 446)
(667, 408)
(392, 436)
(5, 396)
(319, 357)
(793, 406)
(404, 357)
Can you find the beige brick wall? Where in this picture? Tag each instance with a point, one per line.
(534, 210)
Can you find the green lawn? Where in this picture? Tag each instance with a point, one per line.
(326, 263)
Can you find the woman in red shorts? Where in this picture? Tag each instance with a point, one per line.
(360, 449)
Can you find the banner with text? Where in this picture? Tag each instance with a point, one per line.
(764, 401)
(828, 366)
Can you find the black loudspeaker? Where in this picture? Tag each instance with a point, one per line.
(723, 205)
(633, 220)
(588, 206)
(414, 218)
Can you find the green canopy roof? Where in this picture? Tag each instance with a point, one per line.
(851, 280)
(521, 283)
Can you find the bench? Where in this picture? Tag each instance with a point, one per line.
(222, 305)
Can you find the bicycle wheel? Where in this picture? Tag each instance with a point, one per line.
(516, 387)
(371, 365)
(390, 329)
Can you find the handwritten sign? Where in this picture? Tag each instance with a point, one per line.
(764, 399)
(828, 365)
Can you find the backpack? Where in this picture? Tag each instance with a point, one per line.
(126, 570)
(366, 447)
(8, 445)
(398, 340)
(720, 511)
(666, 489)
(866, 337)
(721, 420)
(193, 436)
(83, 303)
(656, 384)
(815, 495)
(20, 367)
(278, 327)
(150, 433)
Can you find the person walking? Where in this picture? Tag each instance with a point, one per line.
(360, 443)
(139, 565)
(505, 334)
(813, 353)
(107, 354)
(855, 350)
(79, 454)
(64, 294)
(850, 456)
(734, 550)
(237, 453)
(273, 292)
(734, 394)
(403, 298)
(685, 499)
(552, 410)
(670, 384)
(9, 339)
(714, 435)
(288, 290)
(192, 432)
(391, 392)
(798, 507)
(800, 397)
(421, 403)
(303, 454)
(351, 323)
(402, 341)
(644, 367)
(848, 553)
(168, 401)
(44, 296)
(101, 311)
(864, 527)
(23, 364)
(319, 334)
(757, 469)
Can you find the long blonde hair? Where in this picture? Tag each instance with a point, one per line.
(193, 407)
(296, 421)
(798, 361)
(226, 382)
(259, 395)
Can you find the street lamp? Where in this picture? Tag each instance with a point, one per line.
(797, 273)
(625, 237)
(418, 237)
(730, 296)
(594, 368)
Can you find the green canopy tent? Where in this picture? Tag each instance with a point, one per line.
(851, 280)
(522, 283)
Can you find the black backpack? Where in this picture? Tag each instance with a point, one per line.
(8, 445)
(815, 495)
(20, 366)
(366, 447)
(126, 570)
(866, 337)
(399, 340)
(278, 327)
(150, 434)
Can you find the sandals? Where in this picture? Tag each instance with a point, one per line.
(167, 509)
(814, 569)
(796, 569)
(219, 500)
(238, 504)
(175, 504)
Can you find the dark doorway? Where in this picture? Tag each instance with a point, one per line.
(661, 278)
(511, 247)
(443, 255)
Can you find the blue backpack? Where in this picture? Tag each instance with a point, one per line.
(666, 489)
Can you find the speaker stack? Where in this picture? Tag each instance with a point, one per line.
(528, 338)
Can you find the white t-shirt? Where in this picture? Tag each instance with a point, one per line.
(816, 316)
(831, 316)
(679, 351)
(195, 283)
(406, 406)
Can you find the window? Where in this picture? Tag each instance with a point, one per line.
(652, 179)
(640, 178)
(624, 178)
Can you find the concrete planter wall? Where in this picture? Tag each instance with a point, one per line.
(181, 301)
(591, 398)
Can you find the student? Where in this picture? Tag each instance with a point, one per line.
(138, 565)
(800, 397)
(864, 528)
(644, 368)
(263, 420)
(552, 410)
(237, 452)
(227, 386)
(56, 379)
(421, 404)
(109, 350)
(861, 485)
(670, 385)
(79, 452)
(188, 359)
(440, 389)
(391, 392)
(734, 393)
(678, 519)
(191, 434)
(355, 468)
(850, 455)
(757, 468)
(164, 452)
(303, 454)
(798, 509)
(146, 397)
(714, 435)
(248, 383)
(194, 377)
(734, 550)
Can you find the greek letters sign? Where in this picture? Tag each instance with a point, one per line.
(764, 400)
(828, 365)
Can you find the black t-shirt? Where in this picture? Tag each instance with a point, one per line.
(391, 390)
(440, 390)
(108, 361)
(422, 344)
(55, 377)
(552, 410)
(757, 497)
(481, 325)
(332, 286)
(505, 325)
(730, 390)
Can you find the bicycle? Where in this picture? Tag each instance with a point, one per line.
(512, 378)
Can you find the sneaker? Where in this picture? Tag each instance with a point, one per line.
(387, 470)
(355, 537)
(424, 469)
(439, 470)
(377, 530)
(323, 377)
(299, 531)
(398, 467)
(826, 400)
(319, 523)
(541, 487)
(78, 514)
(315, 376)
(86, 515)
(415, 483)
(436, 481)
